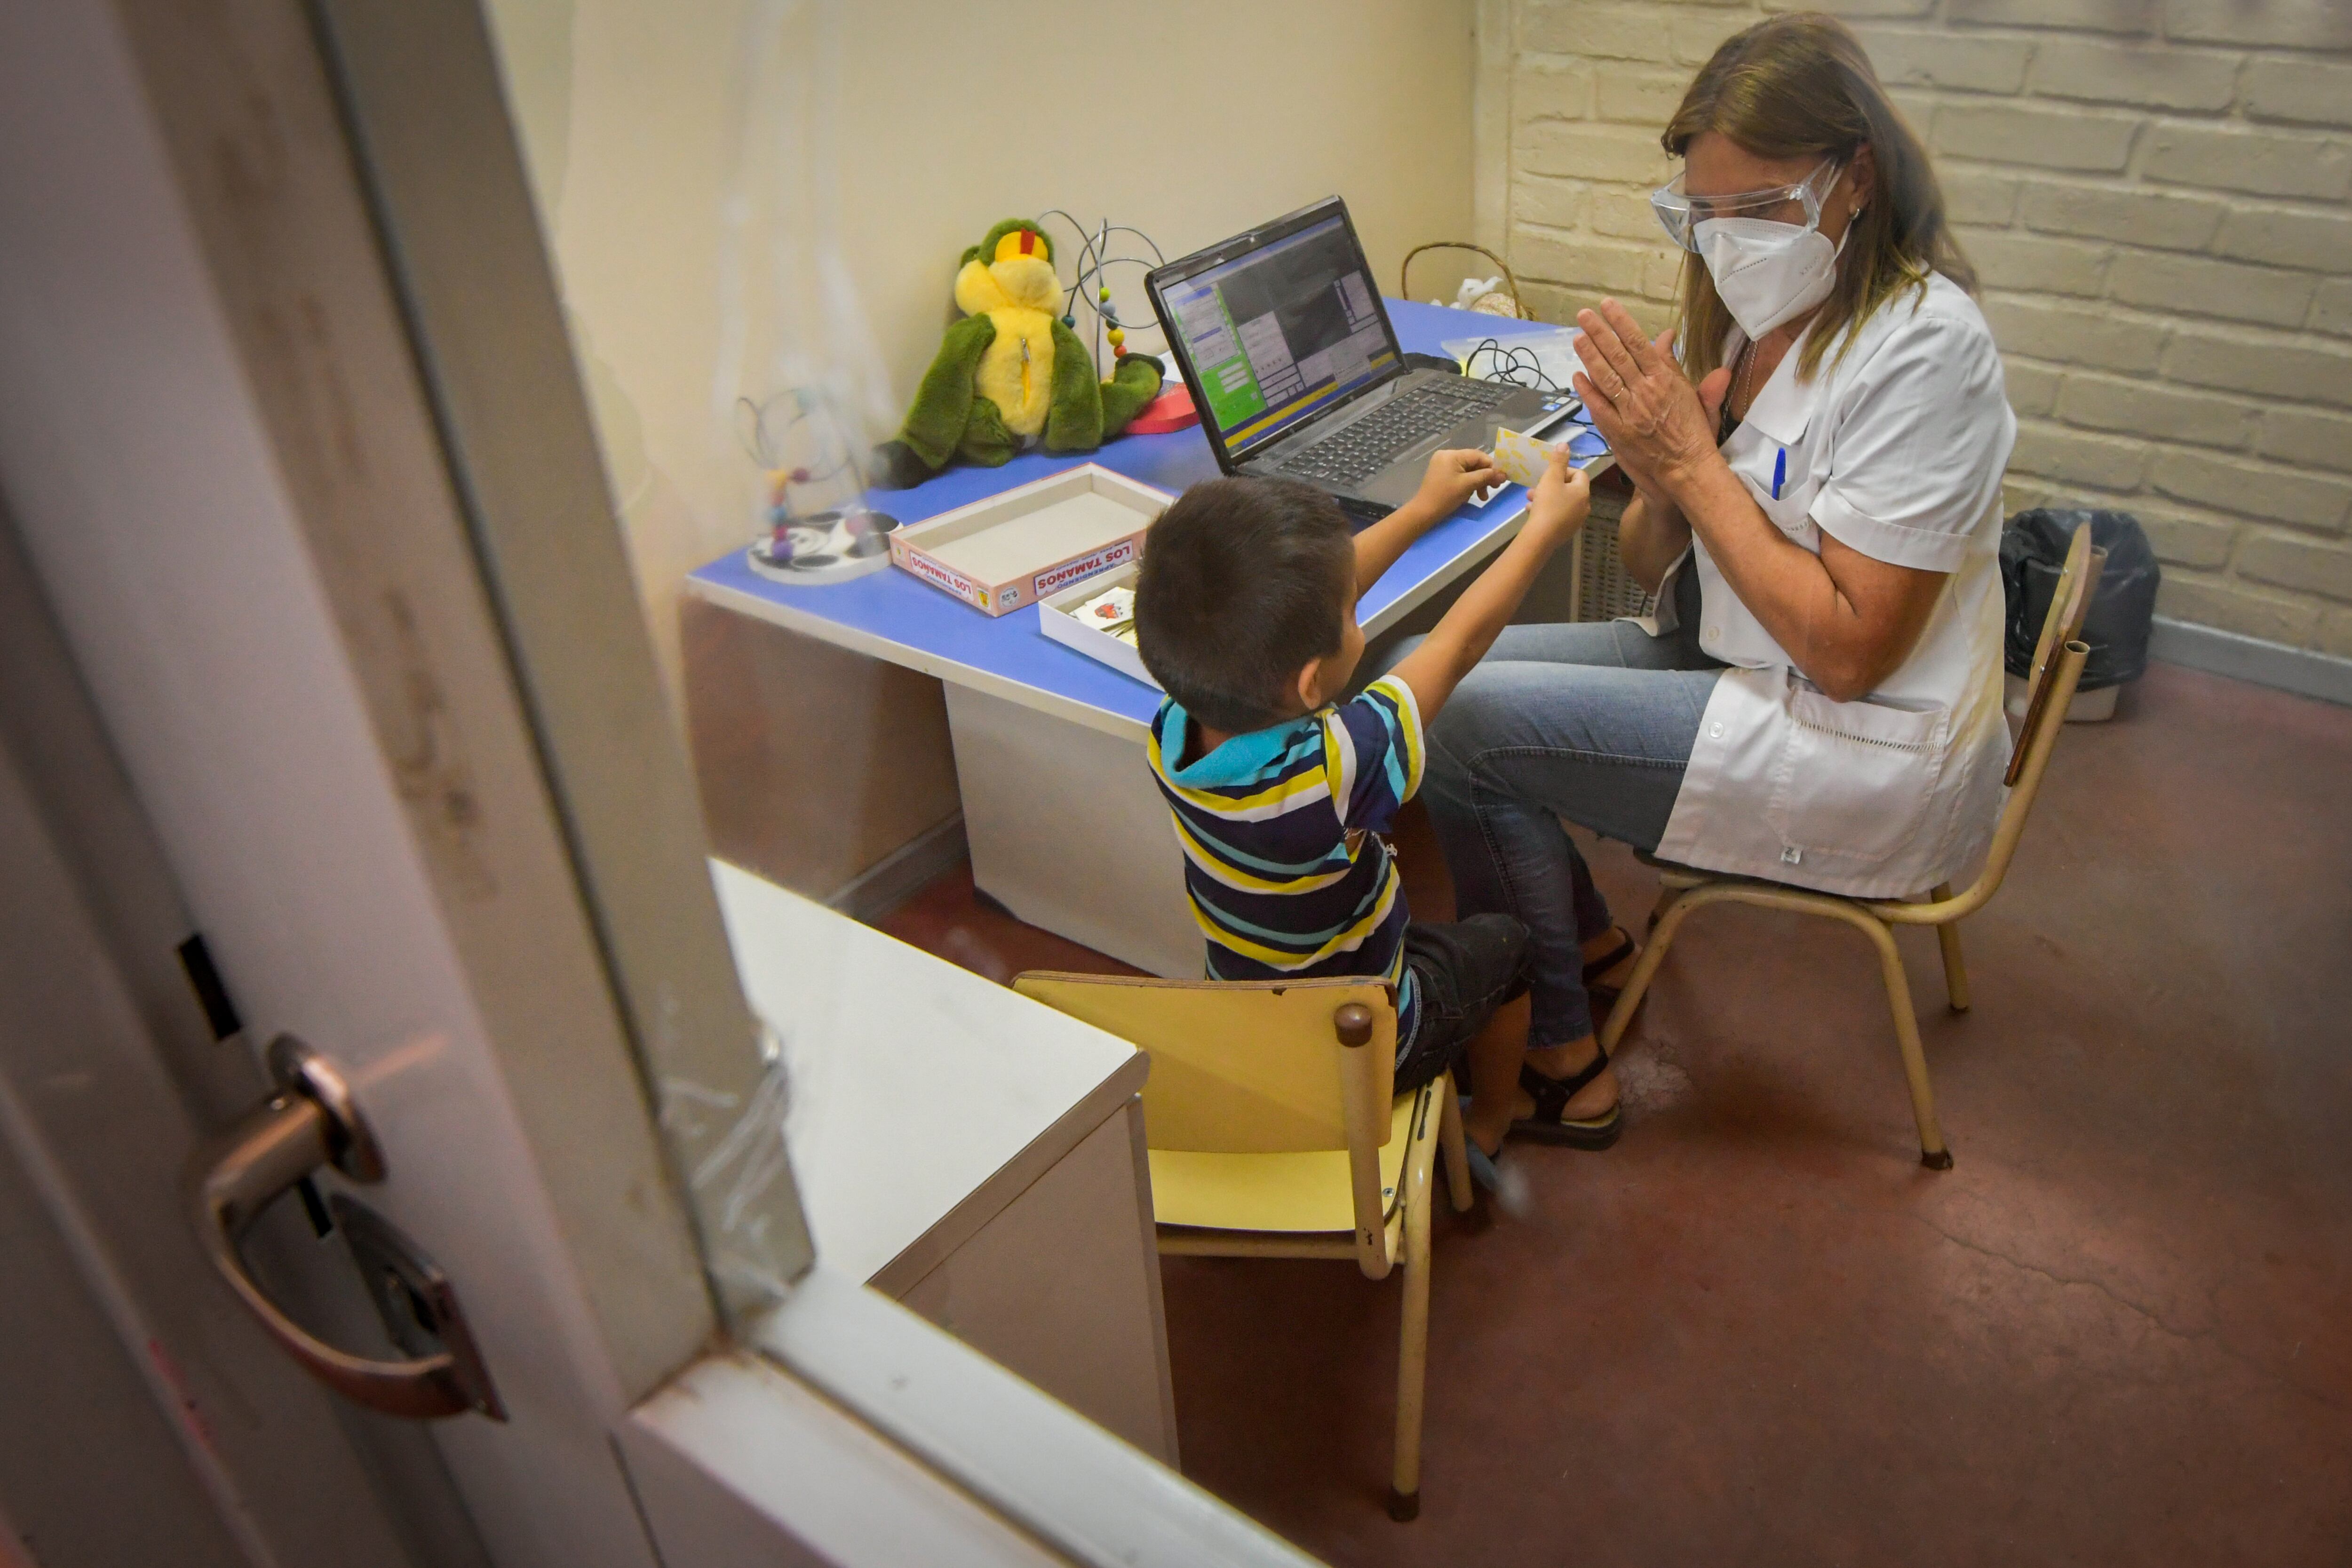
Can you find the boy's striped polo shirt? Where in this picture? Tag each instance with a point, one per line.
(1280, 828)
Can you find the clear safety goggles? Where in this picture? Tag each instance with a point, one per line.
(1681, 213)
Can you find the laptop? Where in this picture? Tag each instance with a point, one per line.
(1297, 373)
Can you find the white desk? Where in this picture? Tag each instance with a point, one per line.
(964, 1150)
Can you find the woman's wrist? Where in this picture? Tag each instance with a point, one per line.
(1657, 510)
(1683, 480)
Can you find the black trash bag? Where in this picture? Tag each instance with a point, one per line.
(2122, 606)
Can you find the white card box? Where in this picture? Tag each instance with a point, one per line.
(1057, 618)
(1015, 549)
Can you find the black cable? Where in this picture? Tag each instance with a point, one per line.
(1510, 365)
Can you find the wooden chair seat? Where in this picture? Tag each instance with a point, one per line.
(1272, 1132)
(1292, 1194)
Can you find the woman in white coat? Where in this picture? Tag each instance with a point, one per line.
(1817, 475)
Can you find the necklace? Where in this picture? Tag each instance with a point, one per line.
(1726, 420)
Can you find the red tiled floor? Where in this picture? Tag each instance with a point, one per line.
(950, 919)
(2119, 1331)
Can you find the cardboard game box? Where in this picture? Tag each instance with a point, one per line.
(1019, 547)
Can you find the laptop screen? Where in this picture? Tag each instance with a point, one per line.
(1281, 332)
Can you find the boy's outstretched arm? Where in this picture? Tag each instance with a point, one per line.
(1453, 478)
(1555, 511)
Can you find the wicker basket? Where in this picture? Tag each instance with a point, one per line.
(1604, 591)
(1518, 301)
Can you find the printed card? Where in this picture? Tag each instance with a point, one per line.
(1523, 458)
(1111, 612)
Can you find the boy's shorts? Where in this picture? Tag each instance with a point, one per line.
(1463, 972)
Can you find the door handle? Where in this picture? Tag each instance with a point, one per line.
(312, 1121)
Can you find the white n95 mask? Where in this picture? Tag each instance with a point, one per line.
(1767, 272)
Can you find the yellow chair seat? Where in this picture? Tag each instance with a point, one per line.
(1288, 1192)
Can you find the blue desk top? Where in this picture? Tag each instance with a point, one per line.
(892, 614)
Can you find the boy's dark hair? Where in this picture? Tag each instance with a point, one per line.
(1243, 580)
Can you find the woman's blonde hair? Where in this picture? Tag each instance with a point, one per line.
(1799, 86)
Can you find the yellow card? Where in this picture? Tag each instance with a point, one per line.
(1522, 459)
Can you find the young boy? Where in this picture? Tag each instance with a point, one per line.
(1245, 612)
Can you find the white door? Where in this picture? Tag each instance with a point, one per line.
(322, 645)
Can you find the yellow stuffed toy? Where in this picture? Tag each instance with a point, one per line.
(1010, 371)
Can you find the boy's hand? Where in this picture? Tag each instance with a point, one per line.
(1561, 501)
(1453, 477)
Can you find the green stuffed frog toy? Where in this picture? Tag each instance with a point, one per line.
(1010, 370)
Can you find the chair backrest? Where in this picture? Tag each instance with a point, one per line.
(1245, 1067)
(2070, 603)
(2057, 666)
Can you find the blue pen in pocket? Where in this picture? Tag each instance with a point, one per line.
(1779, 472)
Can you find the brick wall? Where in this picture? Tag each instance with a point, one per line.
(2154, 191)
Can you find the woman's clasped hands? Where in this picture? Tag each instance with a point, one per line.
(1659, 427)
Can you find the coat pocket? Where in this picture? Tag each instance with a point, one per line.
(1791, 509)
(1855, 779)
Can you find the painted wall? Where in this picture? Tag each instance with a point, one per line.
(1188, 121)
(2155, 192)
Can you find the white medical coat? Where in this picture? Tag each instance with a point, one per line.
(1898, 451)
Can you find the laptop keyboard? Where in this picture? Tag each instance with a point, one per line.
(1359, 450)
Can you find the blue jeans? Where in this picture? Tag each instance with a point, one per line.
(1592, 721)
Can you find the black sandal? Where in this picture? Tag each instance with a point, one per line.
(1625, 949)
(1603, 999)
(1551, 1096)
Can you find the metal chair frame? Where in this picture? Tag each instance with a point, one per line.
(1685, 889)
